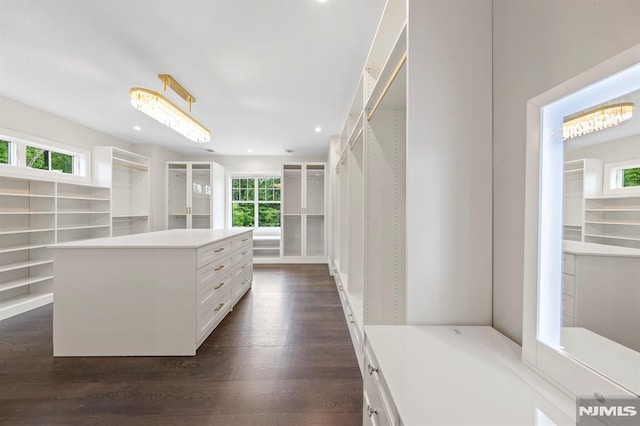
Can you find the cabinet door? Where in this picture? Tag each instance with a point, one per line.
(177, 202)
(292, 204)
(314, 210)
(201, 193)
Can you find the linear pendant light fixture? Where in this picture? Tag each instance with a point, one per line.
(166, 112)
(596, 119)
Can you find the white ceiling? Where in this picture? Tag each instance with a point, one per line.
(265, 73)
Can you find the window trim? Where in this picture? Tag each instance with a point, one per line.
(18, 159)
(612, 178)
(255, 202)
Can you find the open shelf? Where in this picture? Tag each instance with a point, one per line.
(22, 282)
(22, 248)
(23, 303)
(71, 228)
(395, 61)
(611, 237)
(25, 264)
(26, 231)
(9, 194)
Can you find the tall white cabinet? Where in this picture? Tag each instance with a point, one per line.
(412, 172)
(304, 212)
(195, 195)
(127, 174)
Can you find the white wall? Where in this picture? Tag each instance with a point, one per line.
(35, 122)
(537, 44)
(609, 152)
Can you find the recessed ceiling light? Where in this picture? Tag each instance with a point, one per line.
(318, 129)
(322, 1)
(249, 150)
(138, 128)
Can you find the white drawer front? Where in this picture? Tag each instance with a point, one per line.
(243, 241)
(569, 284)
(213, 271)
(567, 305)
(374, 379)
(211, 289)
(374, 410)
(216, 311)
(212, 252)
(569, 263)
(242, 284)
(244, 267)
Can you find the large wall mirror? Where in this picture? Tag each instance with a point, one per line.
(582, 236)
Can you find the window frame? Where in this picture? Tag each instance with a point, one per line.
(613, 178)
(256, 202)
(17, 165)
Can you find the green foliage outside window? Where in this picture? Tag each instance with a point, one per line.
(243, 214)
(246, 193)
(4, 152)
(38, 158)
(631, 177)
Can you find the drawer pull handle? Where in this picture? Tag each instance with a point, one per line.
(245, 239)
(246, 280)
(219, 307)
(219, 267)
(218, 286)
(219, 250)
(371, 411)
(244, 266)
(371, 369)
(340, 288)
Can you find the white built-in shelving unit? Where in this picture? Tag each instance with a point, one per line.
(613, 220)
(127, 174)
(582, 178)
(593, 217)
(34, 215)
(195, 195)
(303, 212)
(82, 212)
(411, 172)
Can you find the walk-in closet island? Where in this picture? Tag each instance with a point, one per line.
(158, 293)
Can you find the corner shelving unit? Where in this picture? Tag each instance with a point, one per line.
(27, 228)
(127, 174)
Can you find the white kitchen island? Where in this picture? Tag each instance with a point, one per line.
(158, 293)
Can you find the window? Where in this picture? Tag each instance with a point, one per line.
(255, 202)
(622, 177)
(630, 177)
(5, 152)
(44, 159)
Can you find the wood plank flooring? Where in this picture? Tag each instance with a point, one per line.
(282, 357)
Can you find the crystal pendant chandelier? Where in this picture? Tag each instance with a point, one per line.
(166, 112)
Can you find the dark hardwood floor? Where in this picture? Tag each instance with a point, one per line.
(282, 357)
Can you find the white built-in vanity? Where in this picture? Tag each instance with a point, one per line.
(157, 293)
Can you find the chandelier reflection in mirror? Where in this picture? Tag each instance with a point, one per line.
(166, 112)
(596, 119)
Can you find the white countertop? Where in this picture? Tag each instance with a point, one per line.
(617, 362)
(591, 249)
(437, 376)
(174, 238)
